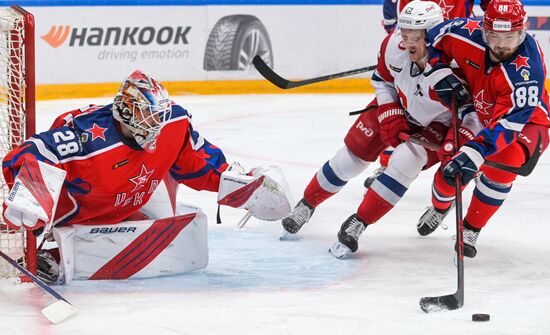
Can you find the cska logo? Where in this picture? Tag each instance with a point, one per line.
(141, 180)
(57, 35)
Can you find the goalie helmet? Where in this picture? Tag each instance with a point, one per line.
(143, 106)
(420, 15)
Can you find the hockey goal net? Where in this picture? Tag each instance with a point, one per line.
(16, 119)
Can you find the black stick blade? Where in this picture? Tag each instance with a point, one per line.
(269, 74)
(442, 303)
(283, 83)
(527, 167)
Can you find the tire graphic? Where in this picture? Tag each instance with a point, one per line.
(233, 43)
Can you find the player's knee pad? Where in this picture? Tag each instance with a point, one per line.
(404, 166)
(135, 249)
(346, 165)
(339, 170)
(406, 162)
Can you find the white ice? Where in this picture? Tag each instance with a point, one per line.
(256, 284)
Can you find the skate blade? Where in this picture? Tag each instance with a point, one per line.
(286, 236)
(339, 250)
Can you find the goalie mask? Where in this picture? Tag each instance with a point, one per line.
(142, 105)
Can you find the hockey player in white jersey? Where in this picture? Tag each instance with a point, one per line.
(403, 104)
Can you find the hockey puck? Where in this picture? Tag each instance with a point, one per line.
(481, 317)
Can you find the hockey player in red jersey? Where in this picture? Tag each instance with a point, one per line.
(403, 104)
(114, 170)
(451, 9)
(504, 71)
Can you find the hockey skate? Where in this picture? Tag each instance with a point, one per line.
(348, 237)
(470, 239)
(431, 219)
(297, 218)
(48, 269)
(368, 182)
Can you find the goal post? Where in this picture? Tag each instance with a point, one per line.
(17, 118)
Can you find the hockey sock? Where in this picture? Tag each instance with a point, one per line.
(487, 199)
(373, 207)
(333, 176)
(443, 194)
(385, 157)
(315, 194)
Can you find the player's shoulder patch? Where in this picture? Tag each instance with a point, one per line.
(526, 67)
(102, 117)
(178, 112)
(465, 27)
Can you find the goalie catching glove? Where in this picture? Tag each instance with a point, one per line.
(33, 197)
(263, 191)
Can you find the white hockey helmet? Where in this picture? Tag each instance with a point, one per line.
(420, 15)
(143, 106)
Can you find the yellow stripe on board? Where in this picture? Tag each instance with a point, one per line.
(74, 91)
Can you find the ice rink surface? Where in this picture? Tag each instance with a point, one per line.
(256, 284)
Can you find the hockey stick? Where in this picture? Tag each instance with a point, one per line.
(56, 312)
(283, 83)
(455, 300)
(523, 170)
(244, 219)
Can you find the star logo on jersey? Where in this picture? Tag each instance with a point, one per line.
(480, 104)
(141, 180)
(97, 132)
(446, 9)
(520, 62)
(472, 26)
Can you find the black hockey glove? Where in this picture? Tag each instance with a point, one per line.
(447, 85)
(466, 163)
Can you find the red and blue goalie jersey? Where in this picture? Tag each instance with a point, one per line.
(506, 95)
(109, 177)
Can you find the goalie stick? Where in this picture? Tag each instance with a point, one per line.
(523, 170)
(283, 83)
(56, 312)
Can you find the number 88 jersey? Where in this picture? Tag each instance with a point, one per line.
(506, 95)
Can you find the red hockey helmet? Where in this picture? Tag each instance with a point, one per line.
(504, 15)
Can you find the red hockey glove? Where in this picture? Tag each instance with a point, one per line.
(392, 121)
(447, 150)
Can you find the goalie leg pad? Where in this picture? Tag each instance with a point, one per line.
(135, 249)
